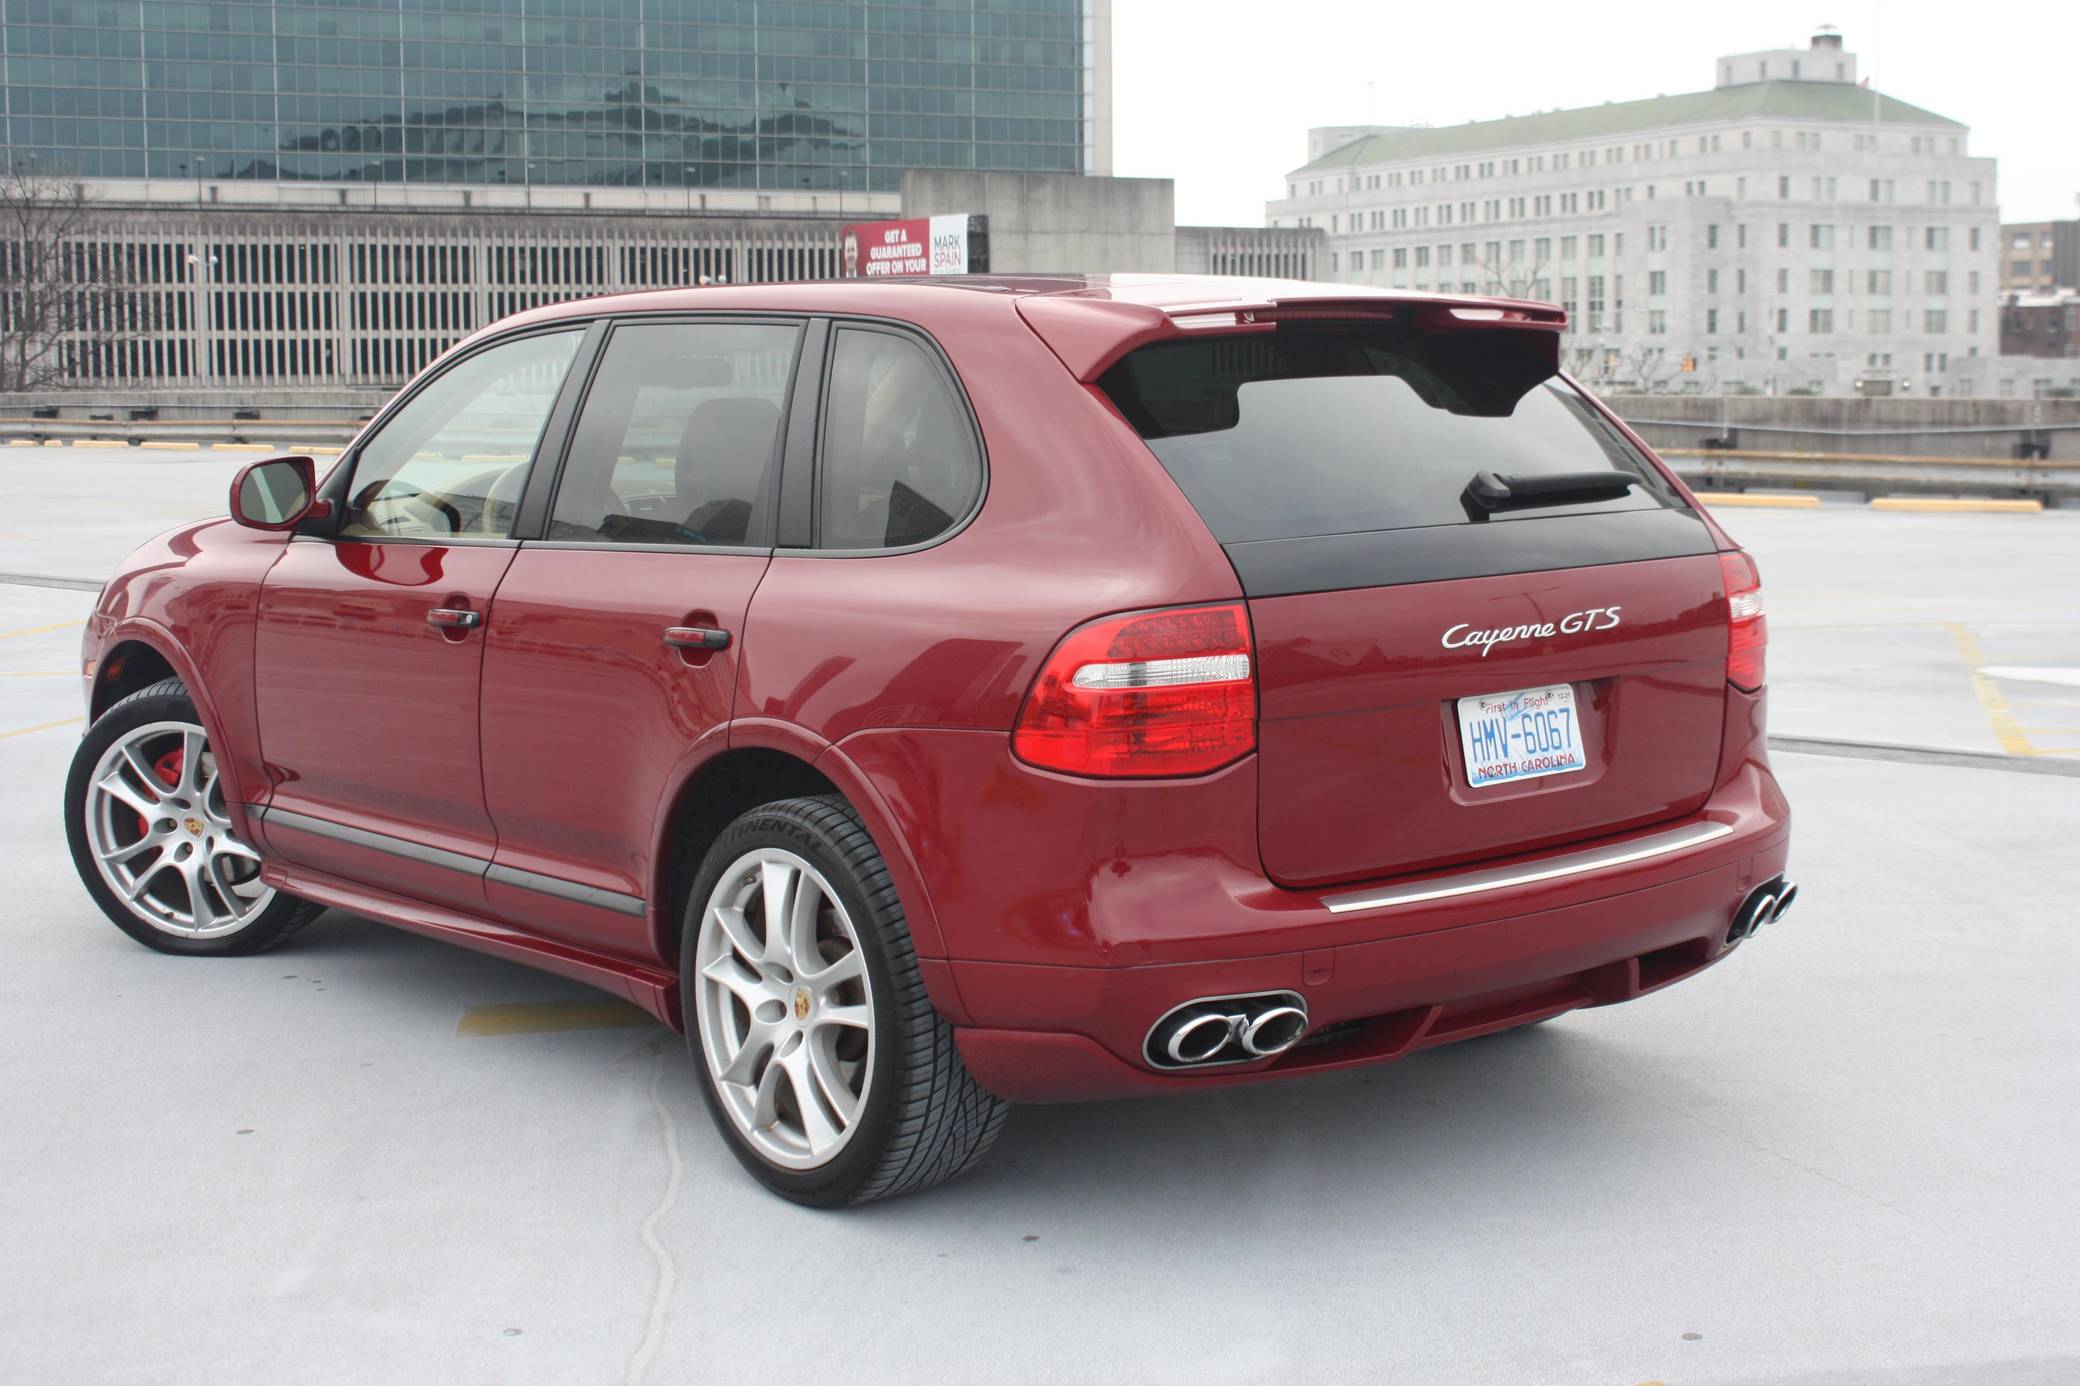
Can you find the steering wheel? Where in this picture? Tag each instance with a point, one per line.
(395, 495)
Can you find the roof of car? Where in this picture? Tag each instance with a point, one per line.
(1088, 319)
(1167, 293)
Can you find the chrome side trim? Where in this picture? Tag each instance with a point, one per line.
(375, 842)
(1528, 873)
(567, 890)
(454, 861)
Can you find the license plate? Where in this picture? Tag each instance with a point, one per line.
(1520, 735)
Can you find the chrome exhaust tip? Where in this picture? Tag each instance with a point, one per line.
(1214, 1030)
(1275, 1031)
(1765, 904)
(1783, 905)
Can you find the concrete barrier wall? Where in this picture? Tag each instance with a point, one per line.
(1987, 428)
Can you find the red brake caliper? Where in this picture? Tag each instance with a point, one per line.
(168, 769)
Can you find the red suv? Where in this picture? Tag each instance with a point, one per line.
(931, 696)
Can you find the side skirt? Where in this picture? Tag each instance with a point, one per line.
(654, 990)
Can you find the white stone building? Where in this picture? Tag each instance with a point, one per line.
(1787, 230)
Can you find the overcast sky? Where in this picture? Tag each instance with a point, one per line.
(1219, 94)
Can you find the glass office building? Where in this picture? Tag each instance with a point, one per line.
(771, 95)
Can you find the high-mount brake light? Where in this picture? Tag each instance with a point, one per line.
(1148, 694)
(1747, 633)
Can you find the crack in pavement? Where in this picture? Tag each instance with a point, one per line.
(667, 1272)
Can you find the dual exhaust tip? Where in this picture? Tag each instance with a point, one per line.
(1227, 1030)
(1766, 904)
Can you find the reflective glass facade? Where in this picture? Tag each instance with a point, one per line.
(767, 94)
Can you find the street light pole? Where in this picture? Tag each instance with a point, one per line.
(205, 268)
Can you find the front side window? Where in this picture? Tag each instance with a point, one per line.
(453, 459)
(676, 442)
(899, 460)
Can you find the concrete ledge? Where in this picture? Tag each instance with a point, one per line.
(1940, 503)
(171, 447)
(1731, 498)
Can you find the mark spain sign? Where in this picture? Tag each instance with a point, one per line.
(957, 244)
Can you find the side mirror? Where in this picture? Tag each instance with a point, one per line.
(277, 494)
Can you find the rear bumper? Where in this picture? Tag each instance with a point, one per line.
(1383, 982)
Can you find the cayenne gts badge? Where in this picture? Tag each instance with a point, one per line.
(1577, 623)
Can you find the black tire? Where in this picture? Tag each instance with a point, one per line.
(166, 701)
(924, 1120)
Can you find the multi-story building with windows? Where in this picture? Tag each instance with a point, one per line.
(778, 96)
(2040, 257)
(303, 193)
(1788, 230)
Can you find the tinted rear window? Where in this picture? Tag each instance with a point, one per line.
(1319, 430)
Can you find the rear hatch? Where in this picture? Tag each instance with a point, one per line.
(1427, 520)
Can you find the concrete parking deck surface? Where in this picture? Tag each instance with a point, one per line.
(1844, 1156)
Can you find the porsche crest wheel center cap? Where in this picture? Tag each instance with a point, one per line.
(801, 1003)
(193, 825)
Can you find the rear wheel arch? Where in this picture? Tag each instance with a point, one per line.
(708, 801)
(767, 761)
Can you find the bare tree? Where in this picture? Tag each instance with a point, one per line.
(62, 295)
(1648, 366)
(1517, 279)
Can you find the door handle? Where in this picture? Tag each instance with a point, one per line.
(696, 638)
(453, 618)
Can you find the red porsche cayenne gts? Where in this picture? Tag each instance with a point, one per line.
(937, 695)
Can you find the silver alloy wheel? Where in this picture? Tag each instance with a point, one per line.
(784, 1008)
(159, 833)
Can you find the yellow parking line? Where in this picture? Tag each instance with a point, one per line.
(42, 726)
(41, 630)
(240, 447)
(2002, 718)
(1719, 498)
(1991, 507)
(540, 1017)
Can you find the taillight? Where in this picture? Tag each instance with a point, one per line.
(1151, 693)
(1747, 633)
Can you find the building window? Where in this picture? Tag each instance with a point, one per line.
(1657, 283)
(1938, 238)
(1879, 281)
(1820, 320)
(1935, 321)
(1936, 283)
(1784, 235)
(1821, 281)
(1711, 236)
(1881, 238)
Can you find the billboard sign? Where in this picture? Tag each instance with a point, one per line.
(957, 244)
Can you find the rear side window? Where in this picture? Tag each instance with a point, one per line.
(899, 460)
(1322, 430)
(675, 444)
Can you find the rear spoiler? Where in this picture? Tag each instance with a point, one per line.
(1090, 334)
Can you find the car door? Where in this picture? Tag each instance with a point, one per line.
(370, 641)
(613, 643)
